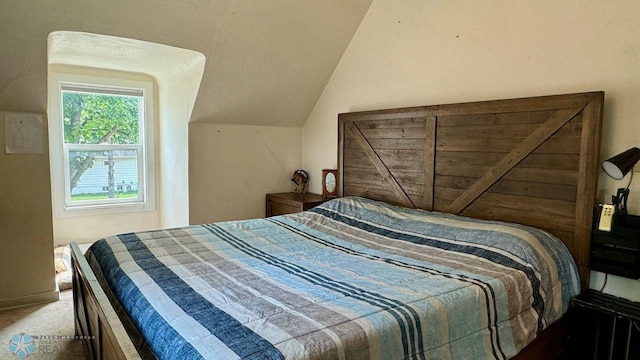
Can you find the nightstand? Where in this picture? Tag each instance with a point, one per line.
(617, 252)
(603, 326)
(290, 202)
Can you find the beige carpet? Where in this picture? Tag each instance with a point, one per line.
(51, 328)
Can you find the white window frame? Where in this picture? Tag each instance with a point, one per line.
(63, 206)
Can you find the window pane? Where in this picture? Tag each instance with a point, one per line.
(103, 175)
(91, 118)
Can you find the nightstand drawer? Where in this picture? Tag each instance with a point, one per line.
(281, 209)
(289, 203)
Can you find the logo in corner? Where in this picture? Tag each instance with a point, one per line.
(21, 345)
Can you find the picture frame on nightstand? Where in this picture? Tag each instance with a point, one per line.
(329, 183)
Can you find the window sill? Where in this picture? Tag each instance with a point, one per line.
(111, 209)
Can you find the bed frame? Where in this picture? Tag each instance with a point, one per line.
(532, 161)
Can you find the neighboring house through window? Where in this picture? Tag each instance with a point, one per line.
(103, 144)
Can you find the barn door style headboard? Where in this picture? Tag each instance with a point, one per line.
(532, 161)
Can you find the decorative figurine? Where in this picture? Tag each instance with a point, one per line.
(300, 178)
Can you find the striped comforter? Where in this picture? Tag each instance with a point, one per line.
(350, 279)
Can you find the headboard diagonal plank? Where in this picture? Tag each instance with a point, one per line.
(524, 148)
(379, 165)
(532, 160)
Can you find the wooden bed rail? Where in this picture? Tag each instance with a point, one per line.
(94, 317)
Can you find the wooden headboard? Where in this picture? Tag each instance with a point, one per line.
(532, 161)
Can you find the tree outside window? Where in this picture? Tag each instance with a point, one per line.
(103, 144)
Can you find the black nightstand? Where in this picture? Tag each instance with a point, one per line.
(617, 252)
(603, 326)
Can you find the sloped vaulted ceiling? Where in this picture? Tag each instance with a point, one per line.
(267, 60)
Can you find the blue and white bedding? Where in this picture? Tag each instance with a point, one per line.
(350, 279)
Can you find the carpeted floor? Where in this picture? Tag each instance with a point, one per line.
(50, 327)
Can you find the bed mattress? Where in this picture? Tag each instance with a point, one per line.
(350, 279)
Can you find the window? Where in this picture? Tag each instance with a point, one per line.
(105, 153)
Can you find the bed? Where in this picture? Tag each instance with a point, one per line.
(462, 231)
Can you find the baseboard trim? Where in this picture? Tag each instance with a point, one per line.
(33, 299)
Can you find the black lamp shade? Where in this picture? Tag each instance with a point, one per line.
(618, 166)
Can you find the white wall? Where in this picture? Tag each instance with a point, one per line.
(26, 237)
(415, 52)
(233, 167)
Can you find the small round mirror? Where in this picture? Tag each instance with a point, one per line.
(330, 182)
